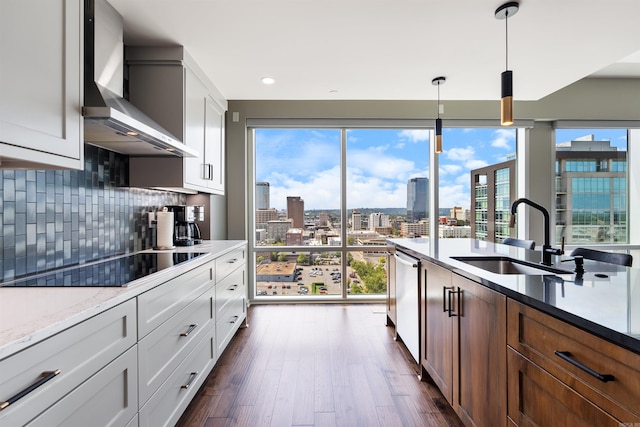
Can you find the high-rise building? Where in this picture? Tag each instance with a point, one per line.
(356, 220)
(323, 219)
(591, 192)
(262, 195)
(417, 199)
(493, 191)
(378, 220)
(277, 230)
(263, 216)
(415, 229)
(295, 211)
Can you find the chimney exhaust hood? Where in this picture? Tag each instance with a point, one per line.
(110, 121)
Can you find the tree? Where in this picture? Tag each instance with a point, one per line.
(274, 256)
(260, 259)
(303, 259)
(282, 257)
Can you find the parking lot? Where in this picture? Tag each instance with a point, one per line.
(329, 278)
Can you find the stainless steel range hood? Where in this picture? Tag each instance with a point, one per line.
(110, 121)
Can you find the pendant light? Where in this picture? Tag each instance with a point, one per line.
(506, 11)
(437, 82)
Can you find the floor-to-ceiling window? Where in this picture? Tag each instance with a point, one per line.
(477, 179)
(326, 199)
(591, 186)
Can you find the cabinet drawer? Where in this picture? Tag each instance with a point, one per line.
(537, 398)
(230, 288)
(539, 337)
(167, 404)
(229, 322)
(162, 350)
(109, 398)
(164, 301)
(77, 353)
(226, 263)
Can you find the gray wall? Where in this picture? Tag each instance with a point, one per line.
(588, 99)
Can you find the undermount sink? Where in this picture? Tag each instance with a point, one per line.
(506, 265)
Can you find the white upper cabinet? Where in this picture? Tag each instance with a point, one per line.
(169, 86)
(41, 84)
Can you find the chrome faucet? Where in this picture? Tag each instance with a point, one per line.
(547, 250)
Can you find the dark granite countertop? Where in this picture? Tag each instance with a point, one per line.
(605, 301)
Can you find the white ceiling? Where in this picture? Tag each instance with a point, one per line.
(391, 49)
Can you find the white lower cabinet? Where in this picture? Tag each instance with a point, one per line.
(162, 350)
(109, 398)
(75, 354)
(167, 404)
(137, 364)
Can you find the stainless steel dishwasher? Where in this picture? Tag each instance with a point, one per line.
(408, 301)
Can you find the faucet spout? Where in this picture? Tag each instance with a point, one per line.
(547, 250)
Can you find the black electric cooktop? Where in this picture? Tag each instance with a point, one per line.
(112, 272)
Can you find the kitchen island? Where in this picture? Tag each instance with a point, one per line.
(121, 355)
(550, 348)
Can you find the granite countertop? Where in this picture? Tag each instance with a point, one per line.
(604, 301)
(31, 314)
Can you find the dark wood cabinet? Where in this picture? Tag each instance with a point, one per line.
(464, 341)
(561, 375)
(480, 369)
(437, 326)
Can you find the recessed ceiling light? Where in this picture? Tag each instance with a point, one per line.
(268, 80)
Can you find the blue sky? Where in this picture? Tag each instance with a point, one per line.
(305, 163)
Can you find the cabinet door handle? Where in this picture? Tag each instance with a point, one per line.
(446, 304)
(43, 378)
(211, 171)
(567, 356)
(451, 292)
(192, 378)
(188, 331)
(234, 319)
(449, 298)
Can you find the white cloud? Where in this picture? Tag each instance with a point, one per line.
(475, 164)
(450, 169)
(460, 154)
(415, 135)
(454, 195)
(503, 138)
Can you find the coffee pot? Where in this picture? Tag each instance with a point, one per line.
(186, 232)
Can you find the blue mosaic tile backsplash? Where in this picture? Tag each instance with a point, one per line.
(56, 218)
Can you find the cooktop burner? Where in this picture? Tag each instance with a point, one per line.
(112, 272)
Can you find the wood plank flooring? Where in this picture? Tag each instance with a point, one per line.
(316, 365)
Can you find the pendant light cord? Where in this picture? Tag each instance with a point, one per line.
(438, 104)
(506, 40)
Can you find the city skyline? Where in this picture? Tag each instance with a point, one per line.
(306, 163)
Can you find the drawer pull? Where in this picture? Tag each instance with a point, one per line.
(234, 319)
(232, 288)
(567, 356)
(233, 261)
(192, 378)
(188, 331)
(43, 378)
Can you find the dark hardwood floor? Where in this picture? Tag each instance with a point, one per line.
(316, 365)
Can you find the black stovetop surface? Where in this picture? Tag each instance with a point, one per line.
(112, 272)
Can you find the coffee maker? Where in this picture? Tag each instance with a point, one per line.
(185, 231)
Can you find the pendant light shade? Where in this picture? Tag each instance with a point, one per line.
(438, 135)
(506, 11)
(437, 82)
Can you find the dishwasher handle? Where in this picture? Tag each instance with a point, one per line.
(412, 262)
